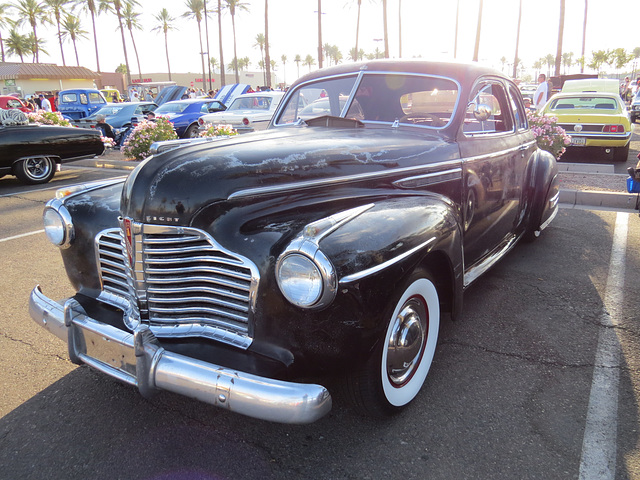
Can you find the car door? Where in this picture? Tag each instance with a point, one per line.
(494, 164)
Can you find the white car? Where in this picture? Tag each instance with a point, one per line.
(247, 112)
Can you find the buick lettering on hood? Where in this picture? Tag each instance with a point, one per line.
(246, 271)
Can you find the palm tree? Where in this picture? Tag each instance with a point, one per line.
(549, 60)
(267, 56)
(567, 60)
(235, 6)
(222, 75)
(196, 11)
(72, 30)
(355, 57)
(260, 44)
(455, 40)
(116, 6)
(35, 45)
(17, 44)
(32, 12)
(319, 34)
(297, 59)
(326, 50)
(92, 7)
(130, 17)
(476, 49)
(560, 37)
(4, 22)
(309, 61)
(584, 33)
(164, 24)
(399, 28)
(57, 7)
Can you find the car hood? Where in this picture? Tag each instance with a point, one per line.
(172, 187)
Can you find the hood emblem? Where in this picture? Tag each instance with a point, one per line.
(577, 128)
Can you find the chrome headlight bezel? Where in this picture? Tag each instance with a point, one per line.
(306, 277)
(58, 225)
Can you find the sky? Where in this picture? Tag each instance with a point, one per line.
(428, 31)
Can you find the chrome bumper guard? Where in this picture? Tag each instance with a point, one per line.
(138, 359)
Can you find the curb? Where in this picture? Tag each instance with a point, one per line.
(598, 200)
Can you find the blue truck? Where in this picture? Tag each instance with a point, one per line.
(78, 103)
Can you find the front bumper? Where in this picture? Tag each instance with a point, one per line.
(138, 359)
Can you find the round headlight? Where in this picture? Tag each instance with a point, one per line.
(300, 280)
(54, 226)
(57, 224)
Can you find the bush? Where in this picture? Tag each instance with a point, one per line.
(48, 118)
(549, 135)
(219, 131)
(139, 142)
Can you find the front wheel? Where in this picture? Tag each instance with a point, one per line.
(36, 170)
(394, 374)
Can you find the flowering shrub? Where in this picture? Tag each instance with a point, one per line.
(549, 135)
(139, 142)
(48, 118)
(219, 131)
(108, 142)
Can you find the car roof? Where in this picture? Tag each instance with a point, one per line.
(266, 93)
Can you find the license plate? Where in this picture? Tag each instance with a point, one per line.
(578, 141)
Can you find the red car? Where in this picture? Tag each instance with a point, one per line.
(8, 102)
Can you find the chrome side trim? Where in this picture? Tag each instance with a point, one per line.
(354, 277)
(251, 192)
(473, 273)
(429, 179)
(138, 359)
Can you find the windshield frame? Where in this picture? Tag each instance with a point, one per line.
(359, 77)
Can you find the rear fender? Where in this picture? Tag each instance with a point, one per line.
(544, 191)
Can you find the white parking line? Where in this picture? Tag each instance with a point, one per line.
(598, 460)
(20, 236)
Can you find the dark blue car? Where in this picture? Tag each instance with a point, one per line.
(184, 114)
(118, 115)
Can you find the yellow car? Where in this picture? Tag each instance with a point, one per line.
(593, 119)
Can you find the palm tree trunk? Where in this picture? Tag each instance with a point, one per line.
(399, 28)
(476, 49)
(584, 33)
(560, 38)
(515, 59)
(135, 49)
(319, 35)
(60, 40)
(455, 41)
(222, 74)
(202, 54)
(267, 57)
(2, 47)
(206, 35)
(37, 49)
(166, 49)
(386, 31)
(235, 53)
(124, 48)
(355, 59)
(75, 48)
(95, 39)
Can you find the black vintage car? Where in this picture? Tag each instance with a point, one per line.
(33, 153)
(245, 272)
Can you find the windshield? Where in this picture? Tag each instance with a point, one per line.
(379, 98)
(584, 103)
(172, 108)
(251, 103)
(108, 111)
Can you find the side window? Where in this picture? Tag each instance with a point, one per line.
(69, 98)
(83, 98)
(488, 110)
(517, 107)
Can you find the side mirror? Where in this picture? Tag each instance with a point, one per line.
(482, 112)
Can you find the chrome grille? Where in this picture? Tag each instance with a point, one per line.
(188, 286)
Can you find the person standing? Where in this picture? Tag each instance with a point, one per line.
(44, 103)
(540, 97)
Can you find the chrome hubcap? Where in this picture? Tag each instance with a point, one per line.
(38, 167)
(407, 341)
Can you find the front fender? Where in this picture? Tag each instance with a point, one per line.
(392, 238)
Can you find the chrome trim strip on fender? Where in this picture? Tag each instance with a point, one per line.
(473, 273)
(370, 271)
(138, 359)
